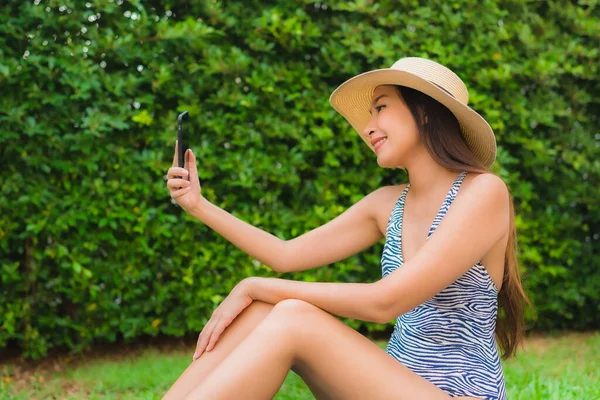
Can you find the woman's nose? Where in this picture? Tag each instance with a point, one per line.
(368, 129)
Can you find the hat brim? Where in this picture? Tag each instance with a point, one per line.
(352, 99)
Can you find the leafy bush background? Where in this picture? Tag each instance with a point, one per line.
(93, 250)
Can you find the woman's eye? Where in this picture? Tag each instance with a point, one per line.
(378, 107)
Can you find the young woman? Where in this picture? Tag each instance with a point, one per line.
(444, 289)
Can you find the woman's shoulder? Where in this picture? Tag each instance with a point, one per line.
(487, 180)
(390, 190)
(389, 194)
(387, 197)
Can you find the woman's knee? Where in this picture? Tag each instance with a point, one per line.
(291, 315)
(254, 313)
(259, 308)
(295, 308)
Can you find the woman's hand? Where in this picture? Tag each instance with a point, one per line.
(183, 183)
(222, 316)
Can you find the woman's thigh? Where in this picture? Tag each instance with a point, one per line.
(231, 337)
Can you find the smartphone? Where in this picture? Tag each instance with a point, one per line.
(181, 142)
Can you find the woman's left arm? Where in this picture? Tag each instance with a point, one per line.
(471, 227)
(349, 300)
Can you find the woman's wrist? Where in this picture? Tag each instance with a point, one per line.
(250, 284)
(201, 205)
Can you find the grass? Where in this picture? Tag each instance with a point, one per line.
(551, 367)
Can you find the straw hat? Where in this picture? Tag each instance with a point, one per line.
(353, 99)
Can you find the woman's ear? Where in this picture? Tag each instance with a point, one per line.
(423, 114)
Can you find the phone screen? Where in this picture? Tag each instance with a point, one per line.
(181, 141)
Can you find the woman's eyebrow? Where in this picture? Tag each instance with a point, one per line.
(375, 101)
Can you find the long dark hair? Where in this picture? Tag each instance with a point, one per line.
(441, 136)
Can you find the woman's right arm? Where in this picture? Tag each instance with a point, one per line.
(351, 232)
(263, 246)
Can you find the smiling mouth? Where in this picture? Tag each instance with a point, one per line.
(379, 144)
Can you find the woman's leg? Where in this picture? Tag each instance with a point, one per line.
(233, 335)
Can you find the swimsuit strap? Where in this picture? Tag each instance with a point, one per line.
(396, 216)
(447, 202)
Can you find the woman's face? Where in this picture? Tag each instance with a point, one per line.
(391, 118)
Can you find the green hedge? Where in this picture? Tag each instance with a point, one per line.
(93, 250)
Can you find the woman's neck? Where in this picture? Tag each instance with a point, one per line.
(427, 178)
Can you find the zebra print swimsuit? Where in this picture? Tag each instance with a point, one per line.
(449, 339)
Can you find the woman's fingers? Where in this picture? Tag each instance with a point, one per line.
(186, 159)
(198, 352)
(178, 193)
(177, 183)
(178, 187)
(203, 338)
(220, 327)
(176, 172)
(191, 167)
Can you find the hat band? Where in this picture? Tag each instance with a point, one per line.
(442, 89)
